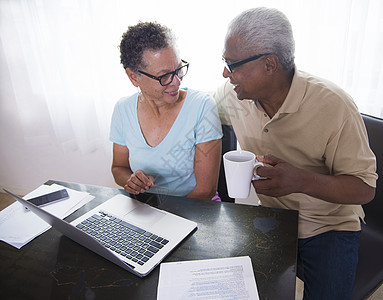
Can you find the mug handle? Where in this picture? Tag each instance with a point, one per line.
(256, 166)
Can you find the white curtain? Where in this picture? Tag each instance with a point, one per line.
(61, 76)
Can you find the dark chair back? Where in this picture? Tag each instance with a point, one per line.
(229, 142)
(369, 274)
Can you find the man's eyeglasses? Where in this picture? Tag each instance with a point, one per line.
(230, 67)
(167, 78)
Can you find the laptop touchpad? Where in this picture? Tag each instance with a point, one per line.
(144, 215)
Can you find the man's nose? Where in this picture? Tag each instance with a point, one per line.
(226, 73)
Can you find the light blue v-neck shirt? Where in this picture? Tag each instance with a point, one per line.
(171, 163)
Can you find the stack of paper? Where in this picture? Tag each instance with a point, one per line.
(19, 226)
(221, 278)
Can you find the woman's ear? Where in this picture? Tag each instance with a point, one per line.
(132, 76)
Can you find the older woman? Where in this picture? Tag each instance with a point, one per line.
(165, 139)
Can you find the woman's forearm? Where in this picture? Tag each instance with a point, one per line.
(121, 175)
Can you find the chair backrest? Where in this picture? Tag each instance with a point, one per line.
(229, 142)
(374, 209)
(369, 272)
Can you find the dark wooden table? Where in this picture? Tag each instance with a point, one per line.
(54, 267)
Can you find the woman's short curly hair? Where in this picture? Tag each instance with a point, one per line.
(141, 37)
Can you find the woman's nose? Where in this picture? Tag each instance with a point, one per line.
(176, 80)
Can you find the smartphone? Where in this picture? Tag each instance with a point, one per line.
(49, 198)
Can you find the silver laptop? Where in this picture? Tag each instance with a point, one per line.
(131, 234)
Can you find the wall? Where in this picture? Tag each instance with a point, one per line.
(23, 166)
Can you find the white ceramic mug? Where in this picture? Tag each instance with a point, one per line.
(240, 169)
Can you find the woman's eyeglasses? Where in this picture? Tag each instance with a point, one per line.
(167, 78)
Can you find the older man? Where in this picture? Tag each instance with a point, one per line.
(312, 139)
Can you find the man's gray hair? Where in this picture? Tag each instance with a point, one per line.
(264, 30)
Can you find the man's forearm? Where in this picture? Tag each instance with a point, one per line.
(343, 189)
(284, 179)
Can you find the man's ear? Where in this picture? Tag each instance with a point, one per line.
(272, 63)
(132, 76)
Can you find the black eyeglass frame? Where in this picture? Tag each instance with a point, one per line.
(238, 63)
(174, 73)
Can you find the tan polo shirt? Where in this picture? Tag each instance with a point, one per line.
(317, 128)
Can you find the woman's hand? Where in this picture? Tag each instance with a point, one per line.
(139, 182)
(132, 182)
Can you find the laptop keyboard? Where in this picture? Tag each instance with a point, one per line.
(123, 238)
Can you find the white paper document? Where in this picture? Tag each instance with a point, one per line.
(221, 278)
(19, 226)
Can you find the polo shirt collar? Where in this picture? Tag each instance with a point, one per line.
(295, 95)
